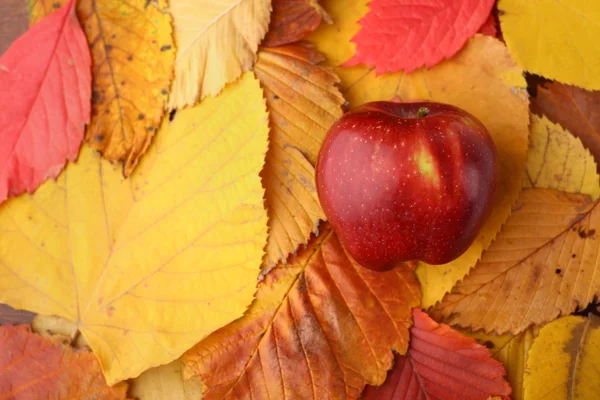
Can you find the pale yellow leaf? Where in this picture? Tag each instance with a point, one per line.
(555, 39)
(303, 102)
(512, 352)
(216, 42)
(165, 383)
(482, 79)
(558, 160)
(564, 361)
(148, 266)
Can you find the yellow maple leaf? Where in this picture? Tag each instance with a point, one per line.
(148, 266)
(558, 160)
(564, 360)
(512, 351)
(303, 102)
(133, 56)
(481, 79)
(216, 42)
(555, 39)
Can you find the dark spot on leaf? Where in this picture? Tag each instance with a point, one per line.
(150, 129)
(129, 58)
(275, 97)
(172, 115)
(113, 36)
(42, 244)
(586, 234)
(141, 116)
(108, 47)
(95, 97)
(122, 83)
(260, 335)
(164, 92)
(558, 271)
(573, 255)
(166, 47)
(302, 284)
(56, 5)
(110, 310)
(489, 344)
(99, 138)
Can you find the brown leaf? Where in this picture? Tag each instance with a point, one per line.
(576, 109)
(303, 102)
(321, 327)
(13, 22)
(543, 264)
(42, 367)
(293, 20)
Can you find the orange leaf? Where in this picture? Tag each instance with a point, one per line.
(441, 364)
(321, 327)
(293, 20)
(303, 102)
(543, 264)
(577, 110)
(39, 367)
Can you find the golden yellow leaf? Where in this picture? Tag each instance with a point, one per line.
(511, 351)
(543, 264)
(148, 266)
(558, 160)
(165, 383)
(564, 361)
(216, 43)
(133, 55)
(555, 39)
(481, 79)
(303, 102)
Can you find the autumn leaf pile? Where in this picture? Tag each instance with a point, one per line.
(159, 217)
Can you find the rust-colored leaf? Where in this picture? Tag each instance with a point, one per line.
(544, 263)
(321, 327)
(293, 20)
(40, 367)
(441, 364)
(303, 102)
(13, 22)
(576, 109)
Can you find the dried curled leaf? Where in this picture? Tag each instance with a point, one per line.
(512, 351)
(216, 42)
(321, 327)
(165, 383)
(574, 108)
(37, 367)
(564, 361)
(495, 95)
(147, 266)
(133, 55)
(558, 160)
(441, 364)
(303, 103)
(293, 20)
(534, 31)
(542, 265)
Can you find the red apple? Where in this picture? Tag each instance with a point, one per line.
(406, 181)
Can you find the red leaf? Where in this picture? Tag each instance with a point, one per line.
(406, 34)
(489, 27)
(40, 367)
(45, 91)
(441, 364)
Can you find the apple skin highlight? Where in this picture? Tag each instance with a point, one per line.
(406, 181)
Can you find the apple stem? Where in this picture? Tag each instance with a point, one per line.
(422, 112)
